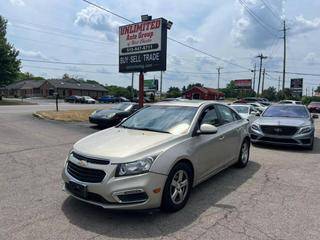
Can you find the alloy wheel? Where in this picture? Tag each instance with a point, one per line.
(179, 187)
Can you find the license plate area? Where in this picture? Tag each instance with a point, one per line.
(78, 189)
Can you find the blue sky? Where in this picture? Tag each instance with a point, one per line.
(73, 31)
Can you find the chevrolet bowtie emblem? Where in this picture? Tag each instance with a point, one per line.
(83, 163)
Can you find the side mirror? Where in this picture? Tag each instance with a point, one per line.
(315, 116)
(207, 129)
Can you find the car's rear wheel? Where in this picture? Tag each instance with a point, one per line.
(244, 154)
(177, 188)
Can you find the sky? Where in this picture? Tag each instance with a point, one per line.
(233, 30)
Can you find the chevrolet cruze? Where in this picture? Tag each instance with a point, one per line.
(153, 158)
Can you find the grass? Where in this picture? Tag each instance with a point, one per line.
(14, 102)
(67, 115)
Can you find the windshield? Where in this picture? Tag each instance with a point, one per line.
(122, 106)
(286, 111)
(167, 119)
(241, 109)
(315, 104)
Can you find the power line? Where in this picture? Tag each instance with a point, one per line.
(170, 38)
(258, 19)
(205, 73)
(271, 10)
(68, 63)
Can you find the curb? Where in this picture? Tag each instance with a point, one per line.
(38, 115)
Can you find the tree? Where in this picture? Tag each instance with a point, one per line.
(318, 89)
(28, 76)
(270, 93)
(9, 64)
(191, 86)
(173, 92)
(118, 91)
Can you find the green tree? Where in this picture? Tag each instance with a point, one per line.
(28, 76)
(270, 93)
(118, 91)
(173, 92)
(9, 64)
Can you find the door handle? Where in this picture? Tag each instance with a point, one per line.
(221, 138)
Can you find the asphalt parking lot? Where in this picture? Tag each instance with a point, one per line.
(276, 197)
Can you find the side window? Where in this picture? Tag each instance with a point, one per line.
(210, 117)
(227, 115)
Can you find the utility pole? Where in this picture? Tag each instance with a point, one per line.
(254, 76)
(284, 54)
(312, 90)
(132, 92)
(260, 68)
(219, 68)
(160, 84)
(279, 83)
(263, 75)
(307, 92)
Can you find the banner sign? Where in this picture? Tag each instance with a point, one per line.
(151, 85)
(296, 87)
(143, 46)
(243, 83)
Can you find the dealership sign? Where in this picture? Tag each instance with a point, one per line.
(243, 83)
(143, 46)
(296, 87)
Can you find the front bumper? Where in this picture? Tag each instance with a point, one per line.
(303, 140)
(114, 192)
(102, 121)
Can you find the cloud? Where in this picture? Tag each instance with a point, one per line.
(99, 21)
(191, 40)
(247, 30)
(312, 59)
(32, 54)
(301, 25)
(19, 3)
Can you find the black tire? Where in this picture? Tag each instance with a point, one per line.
(312, 143)
(167, 204)
(243, 160)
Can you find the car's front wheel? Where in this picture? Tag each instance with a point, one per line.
(177, 188)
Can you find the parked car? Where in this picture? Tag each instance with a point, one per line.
(258, 106)
(73, 99)
(87, 99)
(106, 99)
(113, 116)
(154, 157)
(290, 102)
(246, 111)
(314, 107)
(284, 124)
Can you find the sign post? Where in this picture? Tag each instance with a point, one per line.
(143, 48)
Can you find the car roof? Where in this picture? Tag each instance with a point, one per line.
(186, 103)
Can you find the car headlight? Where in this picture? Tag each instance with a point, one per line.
(305, 130)
(93, 113)
(134, 168)
(255, 127)
(111, 115)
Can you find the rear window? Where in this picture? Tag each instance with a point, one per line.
(286, 111)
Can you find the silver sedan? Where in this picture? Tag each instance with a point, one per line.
(154, 158)
(284, 124)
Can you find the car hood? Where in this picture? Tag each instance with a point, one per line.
(283, 121)
(118, 144)
(244, 115)
(103, 113)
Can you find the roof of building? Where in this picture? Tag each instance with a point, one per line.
(26, 84)
(75, 84)
(205, 90)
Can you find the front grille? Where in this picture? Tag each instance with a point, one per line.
(91, 160)
(279, 140)
(85, 174)
(90, 196)
(279, 130)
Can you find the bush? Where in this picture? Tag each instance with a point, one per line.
(306, 100)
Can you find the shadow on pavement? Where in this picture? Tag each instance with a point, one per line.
(129, 224)
(316, 147)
